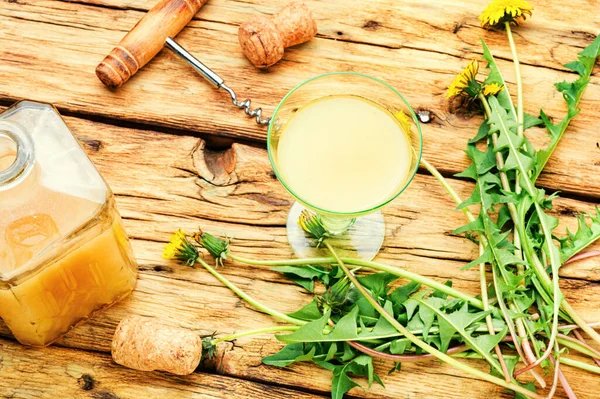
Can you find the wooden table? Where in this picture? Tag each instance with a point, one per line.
(177, 155)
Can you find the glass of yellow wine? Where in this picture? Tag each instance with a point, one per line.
(344, 145)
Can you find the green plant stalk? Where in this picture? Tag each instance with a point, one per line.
(504, 312)
(482, 277)
(423, 345)
(580, 365)
(520, 118)
(579, 348)
(583, 325)
(435, 173)
(555, 263)
(368, 264)
(249, 299)
(248, 333)
(488, 318)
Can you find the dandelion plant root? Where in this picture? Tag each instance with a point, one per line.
(145, 344)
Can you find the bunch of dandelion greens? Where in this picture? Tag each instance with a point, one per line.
(521, 316)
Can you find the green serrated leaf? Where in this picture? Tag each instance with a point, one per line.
(588, 231)
(483, 132)
(530, 386)
(383, 328)
(401, 294)
(500, 122)
(398, 347)
(485, 257)
(286, 356)
(377, 283)
(310, 332)
(348, 353)
(487, 342)
(530, 121)
(345, 327)
(572, 92)
(427, 316)
(308, 312)
(341, 384)
(457, 322)
(331, 352)
(494, 76)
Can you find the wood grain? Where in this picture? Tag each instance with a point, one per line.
(164, 182)
(145, 140)
(145, 40)
(65, 373)
(409, 44)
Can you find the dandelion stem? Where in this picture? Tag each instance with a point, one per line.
(581, 365)
(247, 333)
(513, 49)
(248, 298)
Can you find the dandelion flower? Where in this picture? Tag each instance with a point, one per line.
(465, 82)
(181, 249)
(492, 89)
(498, 12)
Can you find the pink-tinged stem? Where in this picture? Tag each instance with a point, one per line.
(397, 358)
(555, 379)
(580, 338)
(532, 365)
(575, 326)
(408, 358)
(530, 358)
(583, 255)
(581, 342)
(402, 358)
(563, 381)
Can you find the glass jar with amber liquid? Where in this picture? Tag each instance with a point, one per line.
(63, 252)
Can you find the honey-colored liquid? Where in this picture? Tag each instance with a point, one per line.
(344, 154)
(48, 283)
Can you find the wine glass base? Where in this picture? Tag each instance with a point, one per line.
(362, 240)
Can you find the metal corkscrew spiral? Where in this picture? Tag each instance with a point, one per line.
(216, 81)
(245, 105)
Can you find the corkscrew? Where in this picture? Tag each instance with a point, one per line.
(263, 40)
(216, 81)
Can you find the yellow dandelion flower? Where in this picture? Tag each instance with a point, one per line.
(500, 11)
(405, 120)
(492, 89)
(175, 245)
(463, 80)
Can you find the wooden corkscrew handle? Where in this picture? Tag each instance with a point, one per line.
(146, 39)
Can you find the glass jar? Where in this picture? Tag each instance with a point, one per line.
(63, 252)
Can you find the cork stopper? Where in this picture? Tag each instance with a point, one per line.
(263, 39)
(145, 344)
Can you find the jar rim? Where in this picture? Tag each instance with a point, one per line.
(25, 158)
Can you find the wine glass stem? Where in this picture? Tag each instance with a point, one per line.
(336, 225)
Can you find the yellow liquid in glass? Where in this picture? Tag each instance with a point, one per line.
(344, 154)
(71, 282)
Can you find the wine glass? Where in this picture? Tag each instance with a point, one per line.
(343, 145)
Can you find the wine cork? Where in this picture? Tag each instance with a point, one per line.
(145, 344)
(263, 39)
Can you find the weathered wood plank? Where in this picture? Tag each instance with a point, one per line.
(404, 24)
(423, 60)
(66, 373)
(162, 183)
